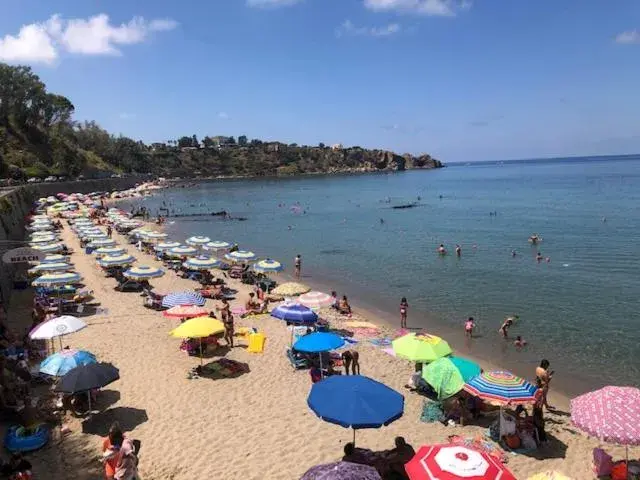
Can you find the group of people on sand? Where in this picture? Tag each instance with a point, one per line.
(389, 463)
(119, 455)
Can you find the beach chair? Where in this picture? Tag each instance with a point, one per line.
(602, 463)
(297, 363)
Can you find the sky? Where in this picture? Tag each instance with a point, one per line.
(462, 80)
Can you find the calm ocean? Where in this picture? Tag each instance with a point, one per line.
(581, 310)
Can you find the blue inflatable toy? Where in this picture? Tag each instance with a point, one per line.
(20, 439)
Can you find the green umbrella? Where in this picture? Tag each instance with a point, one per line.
(421, 348)
(448, 375)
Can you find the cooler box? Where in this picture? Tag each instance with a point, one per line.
(256, 342)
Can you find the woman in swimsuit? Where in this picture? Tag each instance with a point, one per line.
(504, 329)
(469, 326)
(404, 306)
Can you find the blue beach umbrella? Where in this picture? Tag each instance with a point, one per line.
(240, 256)
(268, 265)
(56, 279)
(217, 245)
(49, 247)
(182, 251)
(201, 263)
(295, 313)
(319, 342)
(61, 362)
(183, 298)
(166, 246)
(143, 272)
(116, 260)
(355, 401)
(51, 267)
(102, 242)
(102, 251)
(197, 241)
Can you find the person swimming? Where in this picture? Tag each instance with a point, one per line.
(442, 250)
(519, 342)
(513, 253)
(539, 257)
(458, 250)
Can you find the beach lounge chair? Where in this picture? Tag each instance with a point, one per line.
(297, 363)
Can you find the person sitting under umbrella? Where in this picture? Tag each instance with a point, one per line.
(394, 460)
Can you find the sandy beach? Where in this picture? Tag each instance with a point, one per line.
(256, 426)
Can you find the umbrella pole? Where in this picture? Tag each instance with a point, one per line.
(200, 351)
(60, 338)
(354, 437)
(89, 397)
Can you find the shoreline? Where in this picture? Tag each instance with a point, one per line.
(265, 408)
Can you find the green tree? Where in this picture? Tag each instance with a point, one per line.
(185, 142)
(321, 145)
(242, 140)
(208, 142)
(194, 141)
(231, 140)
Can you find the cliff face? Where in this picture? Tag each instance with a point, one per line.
(280, 159)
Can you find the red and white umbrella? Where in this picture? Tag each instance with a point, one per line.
(455, 462)
(316, 300)
(185, 311)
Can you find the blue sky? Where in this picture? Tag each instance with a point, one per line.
(462, 80)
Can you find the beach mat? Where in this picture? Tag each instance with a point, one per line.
(223, 368)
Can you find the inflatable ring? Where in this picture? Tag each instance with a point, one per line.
(20, 439)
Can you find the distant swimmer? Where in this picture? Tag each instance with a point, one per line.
(442, 250)
(381, 221)
(440, 197)
(535, 239)
(604, 219)
(520, 342)
(458, 250)
(539, 257)
(419, 198)
(548, 259)
(514, 253)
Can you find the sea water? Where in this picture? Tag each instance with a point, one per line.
(580, 309)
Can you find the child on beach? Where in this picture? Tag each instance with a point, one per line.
(469, 325)
(404, 306)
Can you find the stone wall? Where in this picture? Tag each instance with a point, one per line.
(15, 205)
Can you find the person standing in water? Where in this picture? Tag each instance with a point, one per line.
(298, 265)
(404, 306)
(504, 329)
(469, 325)
(458, 250)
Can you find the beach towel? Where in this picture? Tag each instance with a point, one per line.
(431, 412)
(381, 342)
(389, 351)
(224, 368)
(478, 443)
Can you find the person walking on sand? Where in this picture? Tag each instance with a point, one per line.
(109, 231)
(404, 306)
(229, 330)
(298, 265)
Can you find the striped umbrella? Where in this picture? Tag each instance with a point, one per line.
(240, 256)
(43, 237)
(316, 300)
(56, 258)
(197, 241)
(94, 235)
(57, 279)
(61, 362)
(295, 313)
(102, 251)
(143, 272)
(185, 311)
(42, 240)
(51, 267)
(166, 246)
(102, 242)
(41, 226)
(182, 251)
(183, 298)
(268, 265)
(116, 260)
(201, 263)
(215, 246)
(501, 388)
(49, 247)
(153, 236)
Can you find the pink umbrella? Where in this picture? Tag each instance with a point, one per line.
(185, 311)
(611, 414)
(455, 462)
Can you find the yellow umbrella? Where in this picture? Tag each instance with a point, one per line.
(198, 327)
(291, 289)
(361, 325)
(550, 475)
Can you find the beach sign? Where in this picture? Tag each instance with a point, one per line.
(23, 255)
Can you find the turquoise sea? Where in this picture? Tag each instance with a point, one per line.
(580, 310)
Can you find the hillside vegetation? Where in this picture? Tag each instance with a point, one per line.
(38, 137)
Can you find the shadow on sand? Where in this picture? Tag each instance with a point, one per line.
(128, 418)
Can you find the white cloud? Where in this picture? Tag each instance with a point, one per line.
(42, 42)
(33, 44)
(272, 3)
(628, 37)
(223, 115)
(348, 28)
(435, 8)
(127, 116)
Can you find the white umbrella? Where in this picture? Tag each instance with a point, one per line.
(240, 256)
(218, 245)
(197, 241)
(57, 327)
(316, 300)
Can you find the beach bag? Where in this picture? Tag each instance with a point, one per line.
(512, 441)
(602, 462)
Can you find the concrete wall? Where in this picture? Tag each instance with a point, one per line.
(15, 205)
